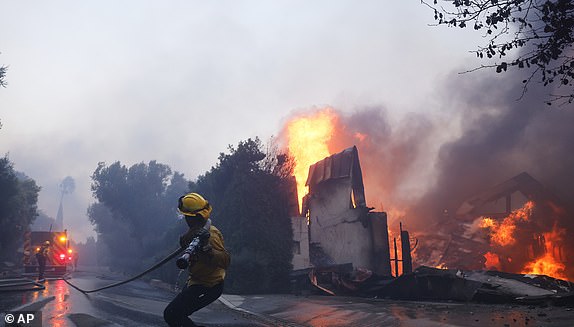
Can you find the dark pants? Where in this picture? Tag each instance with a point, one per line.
(41, 266)
(189, 300)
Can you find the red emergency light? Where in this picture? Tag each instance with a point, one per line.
(62, 256)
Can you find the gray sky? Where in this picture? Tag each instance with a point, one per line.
(178, 81)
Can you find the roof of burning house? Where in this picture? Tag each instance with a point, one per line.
(344, 164)
(523, 183)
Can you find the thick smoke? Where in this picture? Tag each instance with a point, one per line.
(501, 137)
(409, 167)
(391, 153)
(422, 164)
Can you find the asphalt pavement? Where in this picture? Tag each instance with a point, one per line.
(141, 303)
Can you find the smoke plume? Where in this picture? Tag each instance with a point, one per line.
(500, 138)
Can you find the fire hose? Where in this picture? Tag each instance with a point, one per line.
(39, 286)
(194, 247)
(154, 267)
(183, 262)
(16, 285)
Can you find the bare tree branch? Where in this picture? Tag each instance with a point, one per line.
(538, 33)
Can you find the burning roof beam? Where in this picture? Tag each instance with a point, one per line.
(523, 183)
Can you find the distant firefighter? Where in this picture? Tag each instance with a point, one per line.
(41, 257)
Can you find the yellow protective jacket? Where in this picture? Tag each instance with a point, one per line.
(43, 251)
(208, 270)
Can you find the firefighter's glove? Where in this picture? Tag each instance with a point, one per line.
(186, 238)
(205, 248)
(203, 235)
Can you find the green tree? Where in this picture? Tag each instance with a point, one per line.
(251, 207)
(137, 206)
(525, 34)
(18, 207)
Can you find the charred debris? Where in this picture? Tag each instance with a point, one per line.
(342, 246)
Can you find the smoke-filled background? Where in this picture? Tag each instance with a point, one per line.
(420, 164)
(178, 82)
(500, 138)
(139, 81)
(421, 167)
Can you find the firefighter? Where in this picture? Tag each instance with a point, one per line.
(206, 269)
(41, 257)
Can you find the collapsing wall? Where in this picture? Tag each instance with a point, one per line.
(341, 229)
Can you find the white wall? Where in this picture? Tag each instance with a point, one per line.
(336, 227)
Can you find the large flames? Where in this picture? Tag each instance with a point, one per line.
(503, 233)
(315, 134)
(307, 138)
(543, 254)
(517, 243)
(549, 264)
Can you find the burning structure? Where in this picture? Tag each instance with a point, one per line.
(336, 226)
(514, 227)
(343, 246)
(498, 245)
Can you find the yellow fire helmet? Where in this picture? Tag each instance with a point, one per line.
(193, 204)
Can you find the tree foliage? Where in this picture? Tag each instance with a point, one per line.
(250, 195)
(68, 185)
(3, 76)
(18, 207)
(525, 34)
(3, 82)
(136, 208)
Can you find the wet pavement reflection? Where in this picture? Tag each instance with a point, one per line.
(56, 313)
(139, 304)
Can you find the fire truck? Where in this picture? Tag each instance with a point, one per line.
(59, 255)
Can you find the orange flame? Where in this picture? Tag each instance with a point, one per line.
(503, 233)
(307, 141)
(492, 261)
(548, 263)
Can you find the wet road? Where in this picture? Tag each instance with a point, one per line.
(140, 304)
(133, 304)
(344, 311)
